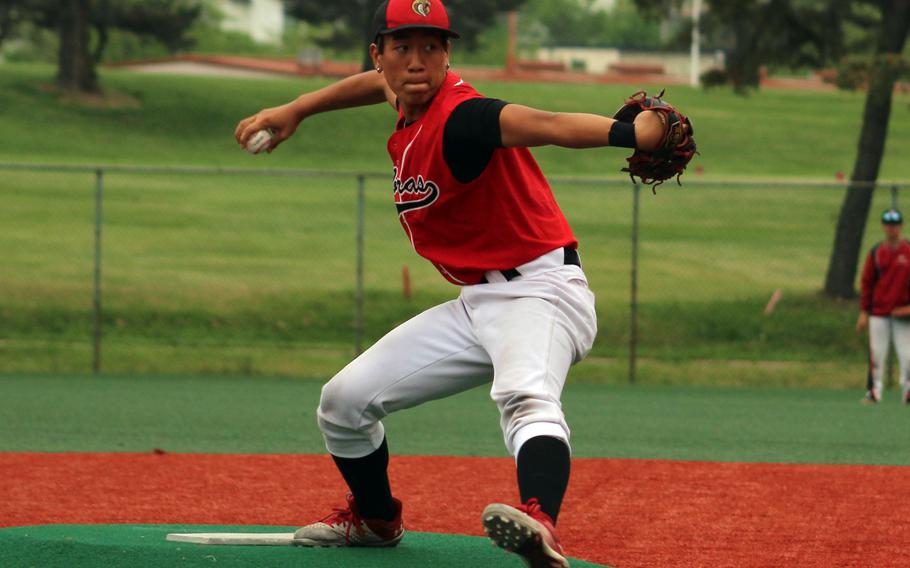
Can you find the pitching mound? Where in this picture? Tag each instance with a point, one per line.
(137, 546)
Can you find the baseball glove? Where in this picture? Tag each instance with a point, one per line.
(676, 150)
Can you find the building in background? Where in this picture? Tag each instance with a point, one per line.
(637, 61)
(610, 60)
(262, 20)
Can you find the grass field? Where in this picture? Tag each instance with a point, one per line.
(190, 120)
(245, 274)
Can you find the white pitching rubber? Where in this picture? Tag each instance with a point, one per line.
(239, 539)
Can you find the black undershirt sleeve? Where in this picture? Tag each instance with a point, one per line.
(471, 135)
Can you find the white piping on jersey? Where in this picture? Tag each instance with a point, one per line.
(407, 229)
(461, 82)
(404, 220)
(404, 158)
(448, 274)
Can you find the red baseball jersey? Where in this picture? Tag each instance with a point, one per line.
(886, 279)
(505, 217)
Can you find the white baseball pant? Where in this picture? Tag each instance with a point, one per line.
(524, 334)
(882, 332)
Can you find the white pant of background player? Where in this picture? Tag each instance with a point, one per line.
(882, 331)
(524, 334)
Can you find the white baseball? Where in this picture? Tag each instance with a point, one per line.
(259, 142)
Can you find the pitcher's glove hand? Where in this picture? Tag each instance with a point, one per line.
(675, 151)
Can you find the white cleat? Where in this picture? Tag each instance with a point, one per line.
(345, 527)
(527, 531)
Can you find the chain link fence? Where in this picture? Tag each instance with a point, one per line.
(256, 271)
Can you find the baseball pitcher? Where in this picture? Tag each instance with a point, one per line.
(472, 200)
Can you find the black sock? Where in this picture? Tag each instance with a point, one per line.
(543, 472)
(368, 479)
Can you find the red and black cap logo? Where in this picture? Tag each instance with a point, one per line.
(396, 15)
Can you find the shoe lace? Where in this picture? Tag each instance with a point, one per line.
(346, 517)
(532, 507)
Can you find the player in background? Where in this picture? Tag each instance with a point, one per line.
(885, 306)
(473, 201)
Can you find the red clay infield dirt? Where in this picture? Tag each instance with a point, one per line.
(623, 513)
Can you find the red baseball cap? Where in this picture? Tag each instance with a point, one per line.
(395, 15)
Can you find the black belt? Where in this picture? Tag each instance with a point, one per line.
(570, 256)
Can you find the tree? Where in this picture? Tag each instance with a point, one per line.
(10, 15)
(352, 21)
(892, 36)
(70, 19)
(75, 67)
(822, 33)
(760, 33)
(77, 22)
(168, 22)
(584, 23)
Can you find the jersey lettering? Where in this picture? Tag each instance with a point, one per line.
(414, 194)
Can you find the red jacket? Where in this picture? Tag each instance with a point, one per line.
(886, 279)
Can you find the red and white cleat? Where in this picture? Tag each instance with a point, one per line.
(527, 531)
(345, 527)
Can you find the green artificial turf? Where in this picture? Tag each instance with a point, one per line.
(223, 414)
(144, 546)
